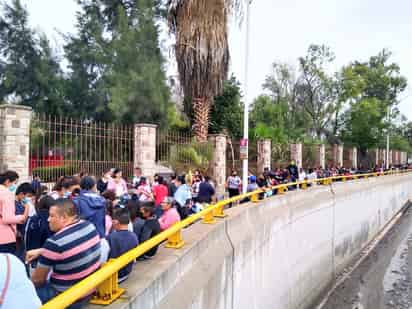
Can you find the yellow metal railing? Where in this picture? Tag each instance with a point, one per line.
(104, 280)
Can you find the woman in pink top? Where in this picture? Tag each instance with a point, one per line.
(8, 217)
(117, 184)
(170, 215)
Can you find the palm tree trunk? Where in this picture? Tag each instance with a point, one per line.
(201, 109)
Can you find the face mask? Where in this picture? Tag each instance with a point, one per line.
(26, 200)
(13, 188)
(67, 194)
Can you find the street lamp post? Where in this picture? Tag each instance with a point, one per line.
(387, 137)
(246, 102)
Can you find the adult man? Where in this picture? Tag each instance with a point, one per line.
(17, 290)
(71, 254)
(293, 171)
(206, 191)
(182, 196)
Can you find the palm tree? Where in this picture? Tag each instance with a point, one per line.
(202, 52)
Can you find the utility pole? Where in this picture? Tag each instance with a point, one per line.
(246, 101)
(387, 137)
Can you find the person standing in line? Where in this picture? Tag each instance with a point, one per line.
(233, 184)
(92, 207)
(8, 217)
(117, 183)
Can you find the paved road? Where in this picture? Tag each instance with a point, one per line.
(384, 279)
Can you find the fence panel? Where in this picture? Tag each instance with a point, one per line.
(366, 160)
(64, 146)
(280, 155)
(233, 161)
(309, 155)
(329, 156)
(181, 152)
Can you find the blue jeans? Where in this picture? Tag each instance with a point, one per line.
(47, 292)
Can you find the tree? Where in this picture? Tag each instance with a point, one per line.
(116, 63)
(29, 70)
(370, 88)
(282, 85)
(87, 56)
(227, 111)
(138, 88)
(267, 119)
(317, 91)
(202, 53)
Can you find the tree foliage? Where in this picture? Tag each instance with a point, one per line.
(30, 73)
(226, 115)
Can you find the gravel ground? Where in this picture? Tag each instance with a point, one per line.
(383, 280)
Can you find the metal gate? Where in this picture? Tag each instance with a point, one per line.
(64, 146)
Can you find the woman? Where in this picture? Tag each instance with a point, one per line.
(8, 217)
(233, 184)
(144, 191)
(117, 183)
(170, 215)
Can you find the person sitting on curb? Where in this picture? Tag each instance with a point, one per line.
(122, 240)
(69, 256)
(170, 215)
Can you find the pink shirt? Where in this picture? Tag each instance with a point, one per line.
(8, 217)
(169, 218)
(120, 188)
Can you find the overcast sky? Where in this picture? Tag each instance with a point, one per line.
(282, 31)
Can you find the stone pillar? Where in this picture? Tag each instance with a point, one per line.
(320, 156)
(15, 139)
(390, 157)
(338, 155)
(354, 157)
(219, 161)
(264, 151)
(376, 155)
(145, 148)
(383, 153)
(296, 154)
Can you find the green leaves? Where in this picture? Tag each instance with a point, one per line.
(30, 73)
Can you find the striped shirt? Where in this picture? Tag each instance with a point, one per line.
(72, 253)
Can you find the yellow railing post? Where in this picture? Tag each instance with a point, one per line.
(175, 241)
(304, 185)
(254, 198)
(281, 190)
(108, 291)
(208, 217)
(219, 212)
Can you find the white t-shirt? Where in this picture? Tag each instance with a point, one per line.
(19, 285)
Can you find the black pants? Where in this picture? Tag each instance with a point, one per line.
(8, 248)
(232, 193)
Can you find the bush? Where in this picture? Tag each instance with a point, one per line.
(51, 173)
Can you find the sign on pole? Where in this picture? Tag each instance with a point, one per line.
(244, 149)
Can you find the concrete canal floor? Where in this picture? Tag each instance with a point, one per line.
(383, 279)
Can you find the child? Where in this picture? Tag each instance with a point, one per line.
(121, 240)
(24, 193)
(37, 229)
(150, 229)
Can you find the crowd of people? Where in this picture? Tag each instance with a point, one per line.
(63, 235)
(59, 237)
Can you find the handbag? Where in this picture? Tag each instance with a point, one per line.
(6, 283)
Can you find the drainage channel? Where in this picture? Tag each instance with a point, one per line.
(383, 279)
